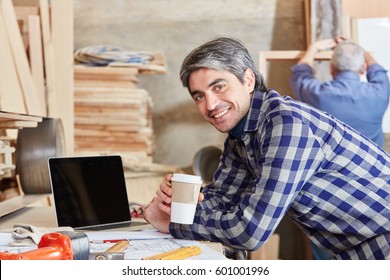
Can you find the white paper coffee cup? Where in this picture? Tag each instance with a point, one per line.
(185, 196)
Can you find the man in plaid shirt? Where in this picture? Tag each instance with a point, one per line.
(281, 157)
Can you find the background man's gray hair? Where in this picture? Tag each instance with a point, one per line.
(221, 53)
(348, 56)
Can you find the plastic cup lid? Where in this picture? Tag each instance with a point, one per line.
(193, 179)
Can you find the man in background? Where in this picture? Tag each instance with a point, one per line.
(358, 104)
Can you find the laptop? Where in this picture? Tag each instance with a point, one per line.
(90, 193)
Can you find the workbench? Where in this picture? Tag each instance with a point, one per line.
(143, 243)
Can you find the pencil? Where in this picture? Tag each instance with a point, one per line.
(177, 254)
(118, 247)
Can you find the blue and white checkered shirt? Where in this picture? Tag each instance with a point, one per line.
(293, 159)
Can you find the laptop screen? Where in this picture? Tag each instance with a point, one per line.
(89, 190)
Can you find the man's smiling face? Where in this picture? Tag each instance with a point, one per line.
(221, 97)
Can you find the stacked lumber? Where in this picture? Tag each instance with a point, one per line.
(18, 92)
(112, 115)
(36, 47)
(36, 71)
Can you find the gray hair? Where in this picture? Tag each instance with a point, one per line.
(348, 56)
(221, 53)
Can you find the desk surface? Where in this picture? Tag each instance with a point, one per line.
(18, 202)
(37, 216)
(42, 217)
(45, 217)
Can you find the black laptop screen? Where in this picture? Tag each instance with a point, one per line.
(89, 190)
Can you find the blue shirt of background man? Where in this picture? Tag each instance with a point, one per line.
(358, 104)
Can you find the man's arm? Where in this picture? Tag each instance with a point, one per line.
(243, 211)
(308, 57)
(369, 59)
(377, 76)
(304, 84)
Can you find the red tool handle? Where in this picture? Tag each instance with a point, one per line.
(53, 246)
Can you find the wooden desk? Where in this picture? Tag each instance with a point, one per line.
(18, 202)
(45, 217)
(38, 216)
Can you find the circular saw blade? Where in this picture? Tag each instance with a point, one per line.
(34, 146)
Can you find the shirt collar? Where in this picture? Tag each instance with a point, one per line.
(347, 75)
(251, 120)
(238, 130)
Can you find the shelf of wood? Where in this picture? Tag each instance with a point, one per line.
(156, 66)
(14, 120)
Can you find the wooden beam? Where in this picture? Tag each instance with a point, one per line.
(36, 59)
(22, 14)
(62, 37)
(265, 56)
(17, 124)
(11, 95)
(366, 8)
(6, 116)
(48, 56)
(20, 58)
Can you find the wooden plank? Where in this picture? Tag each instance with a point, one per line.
(293, 55)
(11, 95)
(29, 3)
(17, 124)
(48, 56)
(105, 84)
(138, 130)
(87, 131)
(80, 110)
(92, 72)
(107, 77)
(111, 114)
(17, 121)
(143, 68)
(307, 15)
(105, 91)
(130, 115)
(37, 216)
(366, 8)
(265, 56)
(137, 122)
(62, 36)
(22, 14)
(109, 144)
(16, 203)
(6, 116)
(20, 58)
(36, 60)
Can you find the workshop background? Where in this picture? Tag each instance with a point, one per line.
(175, 27)
(171, 132)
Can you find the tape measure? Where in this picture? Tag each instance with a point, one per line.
(177, 254)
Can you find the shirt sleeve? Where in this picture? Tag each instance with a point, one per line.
(377, 76)
(304, 85)
(243, 209)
